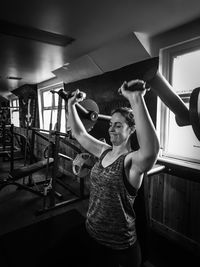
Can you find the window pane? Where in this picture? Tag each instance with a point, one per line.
(54, 119)
(47, 117)
(185, 76)
(63, 121)
(14, 103)
(15, 118)
(56, 99)
(182, 141)
(47, 99)
(47, 114)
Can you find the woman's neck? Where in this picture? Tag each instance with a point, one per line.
(121, 149)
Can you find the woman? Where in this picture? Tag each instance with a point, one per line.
(116, 177)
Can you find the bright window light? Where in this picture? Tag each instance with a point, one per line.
(185, 74)
(14, 112)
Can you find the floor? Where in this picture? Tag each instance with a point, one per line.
(20, 208)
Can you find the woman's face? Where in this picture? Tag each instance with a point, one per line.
(119, 130)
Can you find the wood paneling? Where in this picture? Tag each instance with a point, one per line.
(174, 207)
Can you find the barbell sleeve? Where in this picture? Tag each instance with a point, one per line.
(104, 117)
(166, 93)
(65, 156)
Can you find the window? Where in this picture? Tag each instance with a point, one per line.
(180, 65)
(48, 107)
(14, 111)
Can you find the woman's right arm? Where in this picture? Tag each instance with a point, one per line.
(87, 141)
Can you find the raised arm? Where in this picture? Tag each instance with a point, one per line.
(147, 154)
(87, 141)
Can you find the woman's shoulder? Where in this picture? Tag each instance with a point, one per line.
(105, 150)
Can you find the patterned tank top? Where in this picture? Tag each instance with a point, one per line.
(111, 217)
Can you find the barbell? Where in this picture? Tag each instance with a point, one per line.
(89, 112)
(87, 109)
(183, 115)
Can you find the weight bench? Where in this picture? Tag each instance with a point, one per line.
(23, 172)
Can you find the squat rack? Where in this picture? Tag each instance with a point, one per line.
(52, 193)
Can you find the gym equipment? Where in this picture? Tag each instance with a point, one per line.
(88, 109)
(5, 139)
(195, 111)
(89, 113)
(54, 140)
(82, 164)
(165, 91)
(154, 80)
(15, 150)
(66, 95)
(23, 172)
(183, 115)
(27, 170)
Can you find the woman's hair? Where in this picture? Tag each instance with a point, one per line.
(127, 113)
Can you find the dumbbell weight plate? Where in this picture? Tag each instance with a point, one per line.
(194, 109)
(93, 108)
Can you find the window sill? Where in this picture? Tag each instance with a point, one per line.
(179, 162)
(184, 169)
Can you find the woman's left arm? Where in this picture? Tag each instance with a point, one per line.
(145, 130)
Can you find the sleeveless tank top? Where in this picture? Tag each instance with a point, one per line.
(111, 217)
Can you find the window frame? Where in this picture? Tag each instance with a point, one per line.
(14, 109)
(41, 106)
(166, 68)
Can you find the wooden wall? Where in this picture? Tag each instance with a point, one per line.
(174, 208)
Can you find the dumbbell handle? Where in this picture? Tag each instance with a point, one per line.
(92, 115)
(135, 85)
(66, 95)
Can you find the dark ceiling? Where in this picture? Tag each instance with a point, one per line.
(39, 37)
